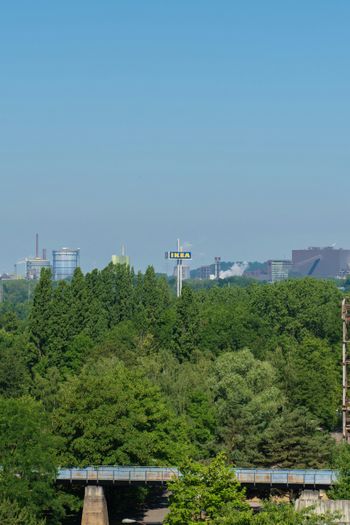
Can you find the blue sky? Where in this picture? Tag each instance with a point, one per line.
(224, 123)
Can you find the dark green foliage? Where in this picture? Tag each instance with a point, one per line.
(294, 440)
(96, 315)
(300, 306)
(250, 403)
(125, 372)
(79, 302)
(17, 296)
(248, 399)
(110, 415)
(122, 341)
(40, 315)
(316, 378)
(273, 514)
(28, 457)
(59, 325)
(46, 388)
(12, 514)
(14, 375)
(115, 291)
(186, 329)
(152, 298)
(9, 321)
(342, 463)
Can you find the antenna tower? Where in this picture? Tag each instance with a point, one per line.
(36, 245)
(345, 364)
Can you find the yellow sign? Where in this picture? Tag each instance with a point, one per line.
(180, 255)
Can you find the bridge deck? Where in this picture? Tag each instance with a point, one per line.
(117, 474)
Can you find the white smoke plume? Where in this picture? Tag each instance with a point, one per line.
(236, 270)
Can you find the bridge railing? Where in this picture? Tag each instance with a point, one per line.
(118, 474)
(286, 477)
(146, 474)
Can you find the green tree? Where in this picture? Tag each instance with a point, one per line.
(110, 414)
(123, 342)
(78, 307)
(40, 315)
(14, 376)
(317, 384)
(274, 514)
(97, 318)
(124, 293)
(226, 322)
(46, 388)
(294, 440)
(12, 514)
(248, 399)
(186, 387)
(28, 457)
(298, 306)
(59, 327)
(186, 328)
(151, 299)
(342, 463)
(9, 321)
(78, 352)
(203, 493)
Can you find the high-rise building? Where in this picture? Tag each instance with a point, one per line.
(204, 272)
(65, 262)
(321, 262)
(121, 259)
(278, 270)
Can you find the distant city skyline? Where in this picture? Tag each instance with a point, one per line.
(168, 265)
(225, 124)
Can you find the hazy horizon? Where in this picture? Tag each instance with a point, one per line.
(225, 124)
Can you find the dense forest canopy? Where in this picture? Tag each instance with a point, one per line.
(113, 368)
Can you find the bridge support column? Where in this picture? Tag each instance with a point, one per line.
(310, 495)
(95, 507)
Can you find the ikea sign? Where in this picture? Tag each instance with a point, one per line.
(180, 255)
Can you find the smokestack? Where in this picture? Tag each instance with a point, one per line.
(217, 267)
(44, 254)
(37, 245)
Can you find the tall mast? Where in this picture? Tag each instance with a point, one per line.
(179, 272)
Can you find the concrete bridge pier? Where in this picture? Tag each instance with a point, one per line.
(95, 506)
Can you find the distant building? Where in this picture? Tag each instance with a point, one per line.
(259, 275)
(185, 271)
(34, 267)
(65, 262)
(204, 272)
(7, 277)
(121, 259)
(278, 270)
(321, 262)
